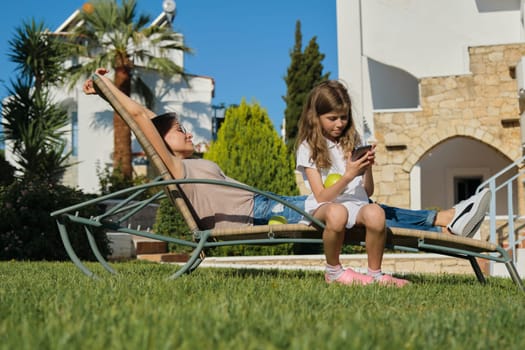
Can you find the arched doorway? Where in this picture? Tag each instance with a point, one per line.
(452, 170)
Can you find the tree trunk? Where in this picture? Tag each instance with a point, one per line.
(121, 133)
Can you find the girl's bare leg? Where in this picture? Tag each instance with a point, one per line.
(372, 217)
(335, 217)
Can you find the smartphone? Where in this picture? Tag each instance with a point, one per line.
(359, 151)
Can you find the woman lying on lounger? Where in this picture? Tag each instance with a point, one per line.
(221, 206)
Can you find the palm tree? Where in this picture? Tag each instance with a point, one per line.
(36, 126)
(112, 37)
(37, 54)
(33, 123)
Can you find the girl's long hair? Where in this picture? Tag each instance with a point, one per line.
(327, 97)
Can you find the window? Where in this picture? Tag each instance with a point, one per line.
(465, 187)
(74, 134)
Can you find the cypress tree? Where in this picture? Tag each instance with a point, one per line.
(304, 72)
(249, 150)
(294, 97)
(312, 63)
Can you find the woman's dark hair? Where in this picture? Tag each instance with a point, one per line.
(164, 122)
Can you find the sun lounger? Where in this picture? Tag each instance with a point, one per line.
(113, 220)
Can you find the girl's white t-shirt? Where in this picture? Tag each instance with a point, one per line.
(354, 192)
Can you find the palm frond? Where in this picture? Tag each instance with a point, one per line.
(38, 53)
(117, 32)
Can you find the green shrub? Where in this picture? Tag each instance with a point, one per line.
(7, 172)
(111, 181)
(170, 222)
(249, 150)
(114, 180)
(28, 232)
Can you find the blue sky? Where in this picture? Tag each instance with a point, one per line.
(243, 44)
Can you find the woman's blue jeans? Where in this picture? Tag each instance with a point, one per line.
(411, 219)
(264, 208)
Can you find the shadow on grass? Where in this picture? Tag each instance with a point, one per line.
(251, 272)
(417, 279)
(148, 270)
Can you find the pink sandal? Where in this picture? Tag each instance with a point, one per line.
(350, 277)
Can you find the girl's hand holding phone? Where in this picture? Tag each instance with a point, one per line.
(361, 158)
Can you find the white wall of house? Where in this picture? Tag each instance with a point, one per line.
(191, 100)
(95, 140)
(421, 38)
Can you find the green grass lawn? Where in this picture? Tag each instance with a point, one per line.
(54, 306)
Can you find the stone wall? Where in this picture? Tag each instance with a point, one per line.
(482, 105)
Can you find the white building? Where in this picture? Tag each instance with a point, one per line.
(91, 136)
(386, 49)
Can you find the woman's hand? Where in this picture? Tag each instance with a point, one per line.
(88, 87)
